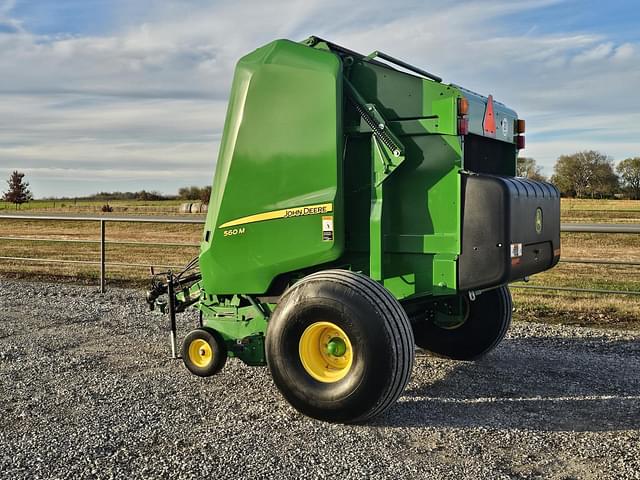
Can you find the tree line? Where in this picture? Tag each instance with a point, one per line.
(19, 192)
(195, 193)
(588, 174)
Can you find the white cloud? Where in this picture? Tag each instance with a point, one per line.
(624, 52)
(599, 52)
(7, 23)
(149, 98)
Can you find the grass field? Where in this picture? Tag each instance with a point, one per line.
(610, 311)
(130, 207)
(600, 211)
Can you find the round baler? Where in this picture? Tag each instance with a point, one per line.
(360, 206)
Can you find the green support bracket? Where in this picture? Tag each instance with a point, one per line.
(242, 328)
(376, 122)
(387, 154)
(444, 274)
(375, 217)
(383, 165)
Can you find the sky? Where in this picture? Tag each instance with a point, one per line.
(117, 95)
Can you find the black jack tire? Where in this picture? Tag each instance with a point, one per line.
(374, 333)
(489, 318)
(204, 352)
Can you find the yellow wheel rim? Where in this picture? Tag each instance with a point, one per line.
(325, 352)
(200, 353)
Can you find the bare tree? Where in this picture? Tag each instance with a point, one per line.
(195, 193)
(526, 167)
(205, 195)
(629, 170)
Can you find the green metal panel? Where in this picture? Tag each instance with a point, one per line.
(280, 153)
(416, 207)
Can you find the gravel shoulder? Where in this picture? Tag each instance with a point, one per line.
(87, 390)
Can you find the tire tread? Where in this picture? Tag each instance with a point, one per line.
(399, 328)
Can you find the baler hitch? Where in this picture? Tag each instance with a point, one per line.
(173, 283)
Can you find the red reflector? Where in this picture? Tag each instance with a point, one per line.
(463, 126)
(489, 122)
(520, 142)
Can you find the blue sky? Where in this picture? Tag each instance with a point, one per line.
(123, 95)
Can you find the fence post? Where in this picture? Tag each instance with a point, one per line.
(103, 282)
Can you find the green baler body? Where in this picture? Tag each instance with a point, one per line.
(301, 183)
(281, 149)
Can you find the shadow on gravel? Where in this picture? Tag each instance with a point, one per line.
(545, 384)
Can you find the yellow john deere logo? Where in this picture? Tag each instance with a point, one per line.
(538, 220)
(284, 213)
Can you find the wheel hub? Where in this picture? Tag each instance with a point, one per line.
(336, 347)
(450, 314)
(325, 352)
(200, 353)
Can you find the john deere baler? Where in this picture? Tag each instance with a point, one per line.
(359, 206)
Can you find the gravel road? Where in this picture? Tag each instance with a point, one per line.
(87, 391)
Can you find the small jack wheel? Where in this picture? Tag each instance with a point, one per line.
(204, 352)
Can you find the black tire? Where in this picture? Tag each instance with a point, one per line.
(211, 354)
(377, 328)
(489, 318)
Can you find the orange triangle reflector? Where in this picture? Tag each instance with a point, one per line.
(489, 122)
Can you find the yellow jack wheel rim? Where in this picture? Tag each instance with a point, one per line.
(325, 352)
(200, 353)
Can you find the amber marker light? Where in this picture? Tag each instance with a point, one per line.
(463, 106)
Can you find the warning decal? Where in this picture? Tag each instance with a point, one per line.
(327, 229)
